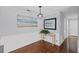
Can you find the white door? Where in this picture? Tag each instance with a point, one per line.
(72, 27)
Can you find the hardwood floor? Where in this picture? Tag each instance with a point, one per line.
(37, 47)
(45, 47)
(72, 42)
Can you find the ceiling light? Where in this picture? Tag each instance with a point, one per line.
(40, 15)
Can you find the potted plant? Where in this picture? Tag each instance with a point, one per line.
(43, 33)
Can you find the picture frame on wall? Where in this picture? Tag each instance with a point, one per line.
(50, 24)
(26, 21)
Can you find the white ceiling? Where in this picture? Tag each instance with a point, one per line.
(46, 10)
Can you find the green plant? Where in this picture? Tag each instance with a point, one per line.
(44, 31)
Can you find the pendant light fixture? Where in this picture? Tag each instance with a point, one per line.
(40, 15)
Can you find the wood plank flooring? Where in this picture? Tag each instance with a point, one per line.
(38, 47)
(45, 47)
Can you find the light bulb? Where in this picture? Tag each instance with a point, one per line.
(40, 16)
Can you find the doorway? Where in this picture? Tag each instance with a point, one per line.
(71, 26)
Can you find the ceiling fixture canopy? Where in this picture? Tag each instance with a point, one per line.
(40, 15)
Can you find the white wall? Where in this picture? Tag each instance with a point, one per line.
(70, 14)
(71, 25)
(61, 32)
(73, 30)
(13, 42)
(0, 26)
(9, 16)
(13, 37)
